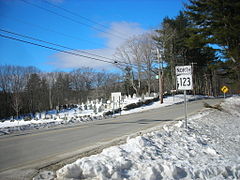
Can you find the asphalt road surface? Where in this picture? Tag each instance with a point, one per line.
(48, 145)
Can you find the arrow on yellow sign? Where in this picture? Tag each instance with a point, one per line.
(224, 89)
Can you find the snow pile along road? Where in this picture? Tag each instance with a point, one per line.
(209, 149)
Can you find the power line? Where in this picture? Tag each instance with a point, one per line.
(50, 30)
(56, 49)
(71, 19)
(114, 61)
(36, 39)
(120, 63)
(77, 15)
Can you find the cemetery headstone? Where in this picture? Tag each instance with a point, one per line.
(147, 94)
(95, 109)
(90, 107)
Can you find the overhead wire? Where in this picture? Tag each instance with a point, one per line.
(55, 44)
(55, 49)
(113, 61)
(78, 15)
(51, 30)
(71, 19)
(116, 62)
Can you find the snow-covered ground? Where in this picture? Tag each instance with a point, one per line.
(80, 116)
(208, 149)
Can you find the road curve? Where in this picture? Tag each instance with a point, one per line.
(44, 145)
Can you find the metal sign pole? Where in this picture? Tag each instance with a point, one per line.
(185, 108)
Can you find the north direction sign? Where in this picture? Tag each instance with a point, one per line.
(180, 70)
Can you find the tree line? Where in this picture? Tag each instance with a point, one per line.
(26, 90)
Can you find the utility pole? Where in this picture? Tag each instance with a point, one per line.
(160, 76)
(192, 64)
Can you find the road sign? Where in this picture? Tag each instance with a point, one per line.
(184, 82)
(224, 89)
(183, 70)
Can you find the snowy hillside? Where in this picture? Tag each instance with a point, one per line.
(209, 149)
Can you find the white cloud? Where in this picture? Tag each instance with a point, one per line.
(120, 32)
(116, 35)
(62, 60)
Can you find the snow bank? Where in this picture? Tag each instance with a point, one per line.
(209, 149)
(8, 127)
(170, 100)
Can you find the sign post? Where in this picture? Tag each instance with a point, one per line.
(224, 89)
(184, 82)
(185, 108)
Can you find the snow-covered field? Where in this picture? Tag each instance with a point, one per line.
(76, 116)
(208, 149)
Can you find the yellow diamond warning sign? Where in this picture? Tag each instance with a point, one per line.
(224, 89)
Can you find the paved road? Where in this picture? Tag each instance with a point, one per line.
(18, 151)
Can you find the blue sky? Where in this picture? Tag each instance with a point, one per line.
(119, 18)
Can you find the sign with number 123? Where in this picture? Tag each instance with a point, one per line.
(184, 82)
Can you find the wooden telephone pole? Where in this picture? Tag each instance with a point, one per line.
(160, 76)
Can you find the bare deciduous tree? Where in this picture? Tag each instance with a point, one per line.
(50, 79)
(16, 78)
(147, 47)
(130, 53)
